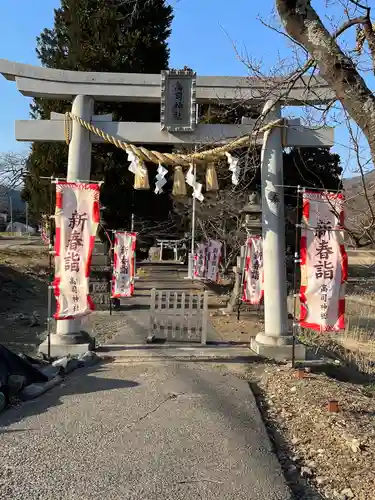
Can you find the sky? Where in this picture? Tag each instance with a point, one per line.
(210, 36)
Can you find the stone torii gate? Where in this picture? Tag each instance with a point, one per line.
(84, 88)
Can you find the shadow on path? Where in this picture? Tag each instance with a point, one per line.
(87, 384)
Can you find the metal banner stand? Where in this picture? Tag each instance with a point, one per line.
(243, 257)
(110, 278)
(50, 277)
(297, 261)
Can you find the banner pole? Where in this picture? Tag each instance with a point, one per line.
(49, 321)
(110, 277)
(243, 258)
(193, 227)
(193, 215)
(50, 278)
(296, 261)
(55, 180)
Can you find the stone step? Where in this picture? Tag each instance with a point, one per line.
(123, 354)
(100, 260)
(100, 248)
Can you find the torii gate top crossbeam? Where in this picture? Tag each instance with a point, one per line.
(33, 81)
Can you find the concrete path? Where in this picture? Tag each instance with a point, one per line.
(140, 432)
(135, 310)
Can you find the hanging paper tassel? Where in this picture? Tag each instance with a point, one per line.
(234, 168)
(160, 179)
(197, 186)
(134, 162)
(141, 177)
(138, 168)
(211, 178)
(179, 186)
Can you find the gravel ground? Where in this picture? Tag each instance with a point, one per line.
(334, 452)
(104, 327)
(167, 432)
(229, 329)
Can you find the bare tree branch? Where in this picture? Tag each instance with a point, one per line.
(304, 25)
(12, 170)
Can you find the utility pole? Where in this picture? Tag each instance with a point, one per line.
(27, 217)
(11, 213)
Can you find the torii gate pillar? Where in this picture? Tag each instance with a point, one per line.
(70, 336)
(276, 341)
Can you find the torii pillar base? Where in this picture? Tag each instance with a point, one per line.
(72, 344)
(279, 350)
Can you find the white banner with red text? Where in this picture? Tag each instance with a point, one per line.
(253, 291)
(324, 263)
(123, 264)
(200, 261)
(76, 219)
(213, 259)
(207, 260)
(45, 229)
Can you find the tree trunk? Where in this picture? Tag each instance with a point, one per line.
(303, 24)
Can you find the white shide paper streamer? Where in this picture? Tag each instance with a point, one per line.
(197, 186)
(233, 162)
(160, 179)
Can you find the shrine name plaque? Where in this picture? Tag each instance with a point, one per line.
(178, 101)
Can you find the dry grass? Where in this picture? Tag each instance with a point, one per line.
(24, 258)
(355, 347)
(23, 283)
(10, 233)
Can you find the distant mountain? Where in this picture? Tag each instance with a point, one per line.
(354, 192)
(354, 185)
(357, 213)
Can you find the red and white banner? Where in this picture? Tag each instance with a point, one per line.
(45, 229)
(207, 259)
(324, 263)
(77, 219)
(200, 261)
(123, 264)
(253, 291)
(213, 257)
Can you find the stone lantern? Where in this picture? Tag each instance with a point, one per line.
(252, 213)
(100, 275)
(252, 223)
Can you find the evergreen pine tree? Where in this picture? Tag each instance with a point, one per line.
(102, 36)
